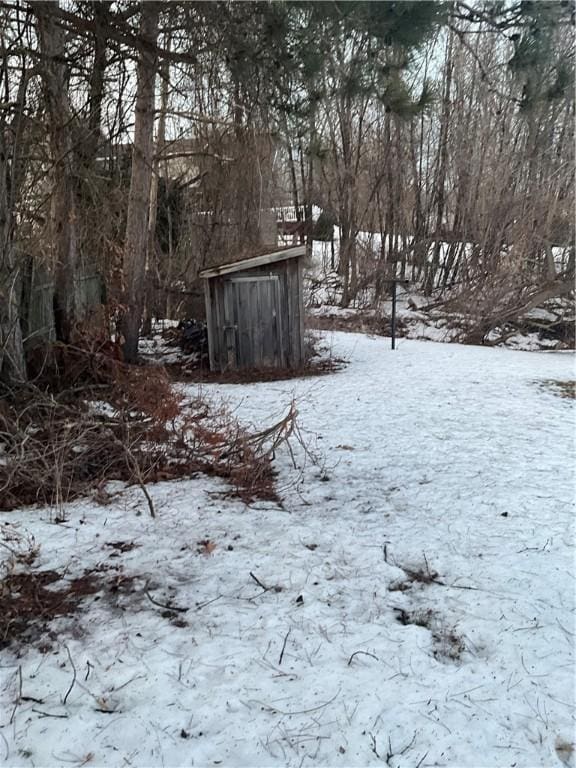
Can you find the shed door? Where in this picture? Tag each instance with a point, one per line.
(253, 322)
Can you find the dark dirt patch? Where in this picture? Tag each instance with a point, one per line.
(359, 322)
(188, 373)
(30, 600)
(447, 644)
(27, 603)
(421, 574)
(178, 621)
(420, 618)
(122, 546)
(566, 389)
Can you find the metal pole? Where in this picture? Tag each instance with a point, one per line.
(393, 319)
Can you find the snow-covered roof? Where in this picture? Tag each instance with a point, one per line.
(255, 261)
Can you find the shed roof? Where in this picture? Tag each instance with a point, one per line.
(255, 261)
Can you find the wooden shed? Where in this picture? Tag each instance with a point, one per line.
(255, 311)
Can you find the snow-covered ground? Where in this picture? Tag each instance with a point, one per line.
(432, 459)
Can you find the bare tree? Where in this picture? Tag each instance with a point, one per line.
(64, 209)
(135, 246)
(12, 364)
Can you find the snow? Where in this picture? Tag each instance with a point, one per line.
(440, 458)
(156, 350)
(526, 341)
(540, 313)
(341, 312)
(288, 212)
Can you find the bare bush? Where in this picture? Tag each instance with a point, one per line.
(59, 444)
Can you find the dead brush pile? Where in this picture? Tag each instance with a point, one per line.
(96, 419)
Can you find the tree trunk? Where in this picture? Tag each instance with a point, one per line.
(346, 255)
(12, 364)
(292, 168)
(139, 197)
(347, 191)
(97, 76)
(152, 254)
(63, 202)
(308, 189)
(12, 358)
(432, 269)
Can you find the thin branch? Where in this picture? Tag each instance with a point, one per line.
(284, 646)
(69, 691)
(364, 653)
(167, 606)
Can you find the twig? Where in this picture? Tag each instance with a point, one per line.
(389, 751)
(373, 745)
(7, 755)
(427, 566)
(364, 653)
(136, 677)
(208, 602)
(424, 756)
(302, 711)
(257, 580)
(12, 551)
(69, 691)
(462, 586)
(48, 714)
(147, 495)
(406, 748)
(167, 606)
(19, 697)
(566, 631)
(136, 469)
(284, 646)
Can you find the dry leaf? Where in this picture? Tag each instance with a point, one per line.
(206, 547)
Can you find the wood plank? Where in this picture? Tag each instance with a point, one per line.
(294, 330)
(257, 320)
(245, 324)
(284, 291)
(229, 332)
(268, 326)
(210, 325)
(280, 337)
(293, 360)
(255, 261)
(220, 346)
(300, 300)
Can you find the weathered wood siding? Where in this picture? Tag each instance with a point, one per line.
(38, 303)
(256, 318)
